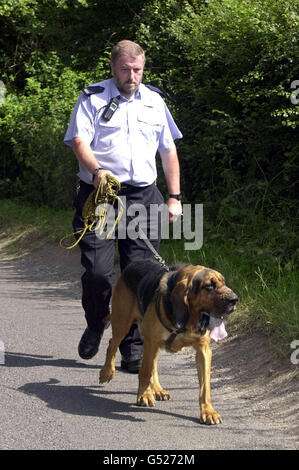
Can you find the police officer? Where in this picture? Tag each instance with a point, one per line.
(121, 139)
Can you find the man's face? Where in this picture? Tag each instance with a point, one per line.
(127, 72)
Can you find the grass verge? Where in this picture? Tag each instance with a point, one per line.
(24, 228)
(267, 288)
(268, 296)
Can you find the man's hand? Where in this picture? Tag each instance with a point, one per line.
(174, 208)
(99, 175)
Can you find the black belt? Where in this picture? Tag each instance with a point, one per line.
(124, 187)
(129, 188)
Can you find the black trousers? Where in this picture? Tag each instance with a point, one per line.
(97, 256)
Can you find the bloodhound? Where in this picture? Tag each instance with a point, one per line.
(174, 307)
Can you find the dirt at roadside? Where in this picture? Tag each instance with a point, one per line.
(257, 374)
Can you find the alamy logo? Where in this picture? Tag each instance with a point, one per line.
(2, 92)
(2, 353)
(295, 355)
(152, 220)
(294, 94)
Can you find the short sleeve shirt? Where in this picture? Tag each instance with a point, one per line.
(126, 144)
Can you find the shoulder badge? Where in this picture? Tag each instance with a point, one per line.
(92, 89)
(153, 88)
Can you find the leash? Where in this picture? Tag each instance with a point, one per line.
(150, 246)
(94, 215)
(95, 212)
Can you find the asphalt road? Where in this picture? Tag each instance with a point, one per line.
(51, 399)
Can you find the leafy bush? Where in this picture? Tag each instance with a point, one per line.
(35, 160)
(229, 65)
(52, 49)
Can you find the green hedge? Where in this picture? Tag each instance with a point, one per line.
(227, 65)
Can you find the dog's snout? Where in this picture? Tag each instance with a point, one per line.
(233, 299)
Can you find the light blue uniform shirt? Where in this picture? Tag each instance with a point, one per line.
(128, 143)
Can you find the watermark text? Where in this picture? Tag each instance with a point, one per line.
(295, 354)
(139, 221)
(2, 353)
(294, 94)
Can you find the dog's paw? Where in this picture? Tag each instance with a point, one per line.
(161, 395)
(146, 399)
(210, 416)
(106, 375)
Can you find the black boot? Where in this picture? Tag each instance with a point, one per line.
(90, 341)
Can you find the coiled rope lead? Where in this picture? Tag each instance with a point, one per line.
(95, 214)
(95, 210)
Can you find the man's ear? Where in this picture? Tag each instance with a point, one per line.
(180, 310)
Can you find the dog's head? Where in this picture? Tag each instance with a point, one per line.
(200, 299)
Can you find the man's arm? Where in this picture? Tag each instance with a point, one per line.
(87, 159)
(171, 168)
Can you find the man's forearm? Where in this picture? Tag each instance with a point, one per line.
(84, 154)
(171, 168)
(87, 159)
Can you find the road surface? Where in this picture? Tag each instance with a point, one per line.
(51, 399)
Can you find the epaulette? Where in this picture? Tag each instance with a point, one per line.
(92, 89)
(153, 88)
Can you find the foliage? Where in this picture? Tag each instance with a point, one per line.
(227, 66)
(33, 155)
(50, 50)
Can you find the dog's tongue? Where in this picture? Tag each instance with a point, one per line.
(217, 330)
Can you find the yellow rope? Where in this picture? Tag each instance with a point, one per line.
(95, 212)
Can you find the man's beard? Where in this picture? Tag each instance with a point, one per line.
(124, 88)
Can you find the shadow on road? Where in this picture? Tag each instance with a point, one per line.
(80, 400)
(14, 359)
(94, 401)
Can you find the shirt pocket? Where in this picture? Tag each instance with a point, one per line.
(108, 133)
(149, 124)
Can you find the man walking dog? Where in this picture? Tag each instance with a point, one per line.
(117, 127)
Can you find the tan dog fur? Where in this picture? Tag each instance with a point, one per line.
(187, 292)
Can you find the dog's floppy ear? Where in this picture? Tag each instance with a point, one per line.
(197, 281)
(180, 311)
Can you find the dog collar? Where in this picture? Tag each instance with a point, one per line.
(173, 332)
